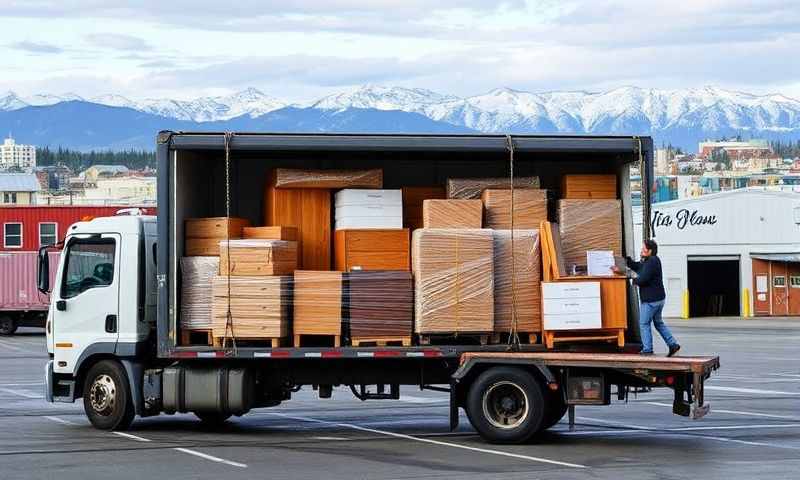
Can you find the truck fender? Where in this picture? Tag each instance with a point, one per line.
(462, 378)
(135, 373)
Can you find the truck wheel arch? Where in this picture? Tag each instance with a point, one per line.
(473, 367)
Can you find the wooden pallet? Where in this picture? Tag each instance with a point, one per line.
(551, 337)
(524, 337)
(273, 342)
(453, 339)
(380, 341)
(328, 340)
(196, 337)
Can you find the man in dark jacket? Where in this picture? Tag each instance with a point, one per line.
(651, 295)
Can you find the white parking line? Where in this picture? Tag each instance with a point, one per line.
(755, 391)
(736, 412)
(434, 442)
(29, 384)
(210, 457)
(132, 437)
(20, 393)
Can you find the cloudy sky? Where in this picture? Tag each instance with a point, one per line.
(302, 49)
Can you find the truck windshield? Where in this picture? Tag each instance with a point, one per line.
(89, 264)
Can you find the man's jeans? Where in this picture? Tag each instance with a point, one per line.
(650, 312)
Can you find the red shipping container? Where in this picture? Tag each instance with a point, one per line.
(18, 275)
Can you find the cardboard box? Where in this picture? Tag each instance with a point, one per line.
(412, 203)
(522, 295)
(317, 303)
(379, 304)
(257, 257)
(589, 225)
(589, 186)
(202, 235)
(471, 188)
(259, 306)
(328, 179)
(453, 280)
(530, 208)
(372, 249)
(452, 214)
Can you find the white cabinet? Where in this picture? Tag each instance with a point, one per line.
(571, 305)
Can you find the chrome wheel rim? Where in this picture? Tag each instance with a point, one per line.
(103, 395)
(505, 405)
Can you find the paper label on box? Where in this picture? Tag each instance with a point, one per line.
(599, 262)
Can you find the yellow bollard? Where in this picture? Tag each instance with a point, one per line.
(685, 312)
(746, 303)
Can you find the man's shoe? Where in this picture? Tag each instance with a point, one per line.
(673, 350)
(645, 353)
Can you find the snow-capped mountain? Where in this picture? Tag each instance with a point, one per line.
(12, 101)
(384, 98)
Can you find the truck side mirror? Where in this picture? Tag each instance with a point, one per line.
(43, 272)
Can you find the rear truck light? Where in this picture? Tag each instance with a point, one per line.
(553, 386)
(670, 380)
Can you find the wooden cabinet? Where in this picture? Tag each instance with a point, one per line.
(372, 249)
(589, 186)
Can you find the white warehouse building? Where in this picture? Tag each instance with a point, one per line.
(729, 253)
(14, 155)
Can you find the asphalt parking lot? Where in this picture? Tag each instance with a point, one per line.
(753, 430)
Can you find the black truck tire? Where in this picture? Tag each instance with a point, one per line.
(555, 410)
(107, 397)
(8, 325)
(505, 405)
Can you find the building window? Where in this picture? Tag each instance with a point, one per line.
(794, 281)
(779, 281)
(10, 197)
(48, 234)
(12, 235)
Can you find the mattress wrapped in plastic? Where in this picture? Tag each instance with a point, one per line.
(517, 285)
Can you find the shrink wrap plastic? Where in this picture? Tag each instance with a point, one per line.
(257, 257)
(197, 274)
(530, 208)
(317, 302)
(299, 178)
(589, 225)
(452, 214)
(260, 306)
(470, 188)
(523, 292)
(454, 280)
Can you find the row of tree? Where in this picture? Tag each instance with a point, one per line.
(78, 161)
(787, 149)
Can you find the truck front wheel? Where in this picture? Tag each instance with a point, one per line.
(505, 405)
(7, 325)
(107, 398)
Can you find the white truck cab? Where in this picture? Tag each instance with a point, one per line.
(103, 299)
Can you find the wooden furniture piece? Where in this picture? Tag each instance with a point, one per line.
(271, 233)
(328, 179)
(308, 210)
(470, 188)
(257, 257)
(530, 208)
(516, 286)
(204, 234)
(613, 296)
(602, 186)
(317, 305)
(379, 307)
(368, 208)
(372, 249)
(260, 309)
(589, 225)
(452, 213)
(453, 280)
(412, 204)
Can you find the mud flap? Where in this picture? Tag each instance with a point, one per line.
(453, 405)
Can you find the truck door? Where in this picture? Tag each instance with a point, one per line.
(87, 299)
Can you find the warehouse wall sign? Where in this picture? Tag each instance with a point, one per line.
(681, 219)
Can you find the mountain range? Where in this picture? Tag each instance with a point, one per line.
(681, 117)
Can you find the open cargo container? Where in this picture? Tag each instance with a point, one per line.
(165, 376)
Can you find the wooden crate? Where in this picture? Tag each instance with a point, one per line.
(202, 235)
(372, 249)
(452, 213)
(379, 306)
(308, 210)
(317, 303)
(530, 208)
(589, 186)
(258, 257)
(412, 203)
(453, 278)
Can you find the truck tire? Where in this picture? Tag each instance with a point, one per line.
(107, 397)
(555, 410)
(505, 405)
(8, 325)
(212, 419)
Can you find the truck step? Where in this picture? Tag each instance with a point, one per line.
(381, 341)
(304, 340)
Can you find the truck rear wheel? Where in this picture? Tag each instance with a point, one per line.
(555, 410)
(107, 398)
(505, 405)
(8, 325)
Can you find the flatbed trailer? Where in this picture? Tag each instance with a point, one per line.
(123, 357)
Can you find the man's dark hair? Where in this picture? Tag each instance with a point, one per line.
(652, 246)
